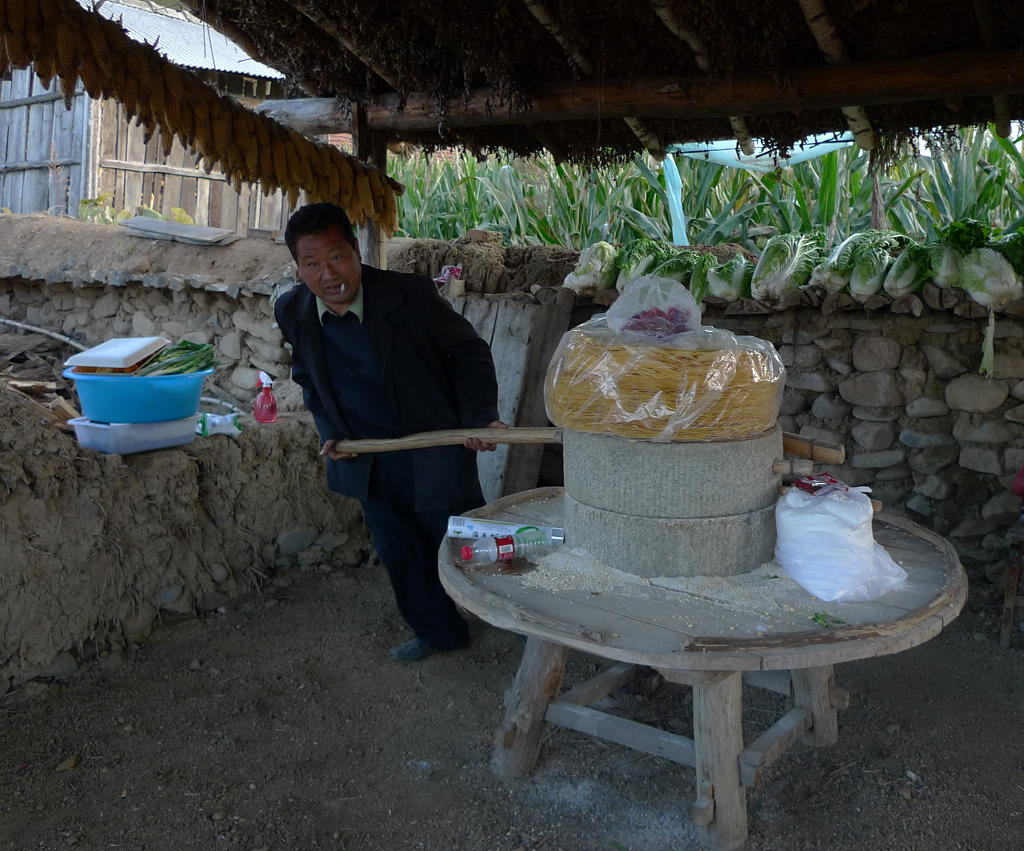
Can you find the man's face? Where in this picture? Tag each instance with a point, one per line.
(329, 266)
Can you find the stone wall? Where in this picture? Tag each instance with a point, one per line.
(898, 386)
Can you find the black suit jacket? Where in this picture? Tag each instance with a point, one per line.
(437, 371)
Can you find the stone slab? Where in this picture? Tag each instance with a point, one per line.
(673, 480)
(661, 546)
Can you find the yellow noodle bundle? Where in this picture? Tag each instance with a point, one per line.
(705, 384)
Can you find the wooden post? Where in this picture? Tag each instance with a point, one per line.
(812, 689)
(517, 744)
(1013, 570)
(718, 739)
(371, 148)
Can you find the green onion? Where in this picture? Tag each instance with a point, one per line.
(181, 358)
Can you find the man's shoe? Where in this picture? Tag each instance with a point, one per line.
(415, 650)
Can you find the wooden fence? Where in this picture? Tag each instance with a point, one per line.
(52, 158)
(136, 172)
(43, 146)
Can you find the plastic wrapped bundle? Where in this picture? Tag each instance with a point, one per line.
(826, 545)
(631, 376)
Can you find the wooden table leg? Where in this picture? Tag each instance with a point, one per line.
(812, 689)
(517, 744)
(718, 742)
(1010, 592)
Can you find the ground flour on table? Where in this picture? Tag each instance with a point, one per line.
(574, 569)
(763, 590)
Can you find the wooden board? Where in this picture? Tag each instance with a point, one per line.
(16, 119)
(171, 191)
(673, 629)
(35, 193)
(522, 337)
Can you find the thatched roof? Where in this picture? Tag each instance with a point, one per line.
(593, 79)
(589, 80)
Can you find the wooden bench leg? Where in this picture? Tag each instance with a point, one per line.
(1010, 596)
(718, 743)
(517, 744)
(813, 690)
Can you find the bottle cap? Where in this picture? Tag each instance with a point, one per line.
(467, 552)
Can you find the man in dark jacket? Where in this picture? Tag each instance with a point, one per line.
(380, 354)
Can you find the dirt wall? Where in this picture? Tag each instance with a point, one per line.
(98, 546)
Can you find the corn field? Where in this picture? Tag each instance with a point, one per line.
(539, 202)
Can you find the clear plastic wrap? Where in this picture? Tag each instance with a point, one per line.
(700, 384)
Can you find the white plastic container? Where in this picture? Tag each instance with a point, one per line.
(126, 438)
(119, 352)
(477, 527)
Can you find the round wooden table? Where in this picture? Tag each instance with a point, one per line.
(709, 640)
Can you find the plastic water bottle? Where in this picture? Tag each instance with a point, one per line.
(524, 544)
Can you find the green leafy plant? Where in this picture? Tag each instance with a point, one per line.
(971, 174)
(100, 210)
(826, 620)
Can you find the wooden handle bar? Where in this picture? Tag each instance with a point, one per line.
(816, 450)
(451, 437)
(802, 447)
(800, 467)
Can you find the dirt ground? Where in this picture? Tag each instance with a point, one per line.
(277, 722)
(280, 724)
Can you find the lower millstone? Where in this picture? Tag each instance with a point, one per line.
(666, 546)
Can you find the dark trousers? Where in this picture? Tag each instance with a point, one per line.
(407, 542)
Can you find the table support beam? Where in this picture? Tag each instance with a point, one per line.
(718, 740)
(517, 744)
(812, 690)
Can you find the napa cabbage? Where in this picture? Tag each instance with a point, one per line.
(698, 282)
(595, 270)
(785, 264)
(731, 280)
(989, 278)
(833, 273)
(639, 258)
(909, 271)
(945, 264)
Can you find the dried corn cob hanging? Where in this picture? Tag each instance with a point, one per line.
(70, 43)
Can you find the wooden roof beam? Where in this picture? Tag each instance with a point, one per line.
(310, 116)
(936, 77)
(834, 50)
(666, 11)
(647, 137)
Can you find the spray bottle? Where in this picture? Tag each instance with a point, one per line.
(266, 405)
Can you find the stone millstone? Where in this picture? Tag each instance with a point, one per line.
(685, 480)
(662, 546)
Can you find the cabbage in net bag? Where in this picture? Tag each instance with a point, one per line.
(648, 369)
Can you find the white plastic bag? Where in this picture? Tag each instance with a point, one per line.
(824, 543)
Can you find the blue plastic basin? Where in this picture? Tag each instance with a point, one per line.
(137, 398)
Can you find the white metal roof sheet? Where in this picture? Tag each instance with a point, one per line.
(183, 38)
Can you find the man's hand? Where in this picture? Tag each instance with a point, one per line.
(328, 450)
(478, 445)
